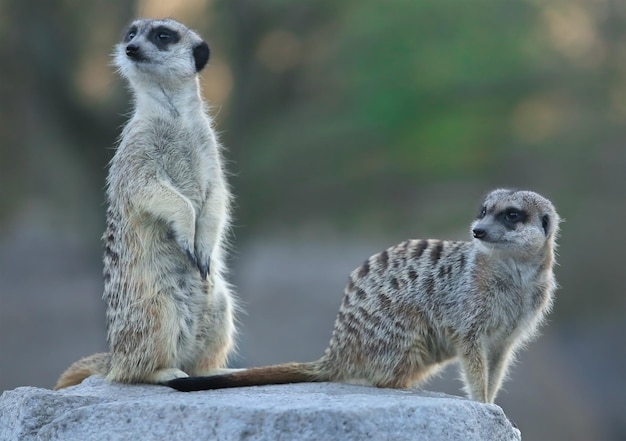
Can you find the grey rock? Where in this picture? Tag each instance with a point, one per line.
(96, 410)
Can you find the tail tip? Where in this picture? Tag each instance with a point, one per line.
(193, 384)
(181, 384)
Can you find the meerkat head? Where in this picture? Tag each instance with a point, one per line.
(517, 222)
(160, 51)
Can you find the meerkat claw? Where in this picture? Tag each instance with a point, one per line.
(204, 268)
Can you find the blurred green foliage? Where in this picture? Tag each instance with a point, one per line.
(364, 100)
(366, 115)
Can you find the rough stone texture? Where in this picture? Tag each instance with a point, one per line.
(96, 410)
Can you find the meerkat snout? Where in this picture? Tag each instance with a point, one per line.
(132, 51)
(479, 233)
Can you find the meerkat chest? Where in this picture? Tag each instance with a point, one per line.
(187, 153)
(512, 300)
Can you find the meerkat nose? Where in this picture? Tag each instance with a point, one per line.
(132, 50)
(479, 233)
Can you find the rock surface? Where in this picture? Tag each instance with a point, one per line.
(96, 410)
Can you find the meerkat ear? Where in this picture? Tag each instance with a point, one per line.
(545, 223)
(201, 55)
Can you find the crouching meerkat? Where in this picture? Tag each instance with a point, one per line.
(169, 308)
(416, 306)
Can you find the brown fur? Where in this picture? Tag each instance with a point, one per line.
(96, 364)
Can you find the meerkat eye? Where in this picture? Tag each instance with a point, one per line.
(164, 36)
(513, 215)
(130, 35)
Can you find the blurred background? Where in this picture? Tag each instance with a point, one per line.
(349, 127)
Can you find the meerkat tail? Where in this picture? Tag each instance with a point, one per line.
(96, 364)
(277, 374)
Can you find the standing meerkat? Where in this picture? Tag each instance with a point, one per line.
(414, 307)
(169, 307)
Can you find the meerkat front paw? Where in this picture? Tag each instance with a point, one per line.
(164, 375)
(203, 263)
(204, 249)
(204, 267)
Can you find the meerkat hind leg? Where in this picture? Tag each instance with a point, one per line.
(155, 355)
(218, 331)
(162, 376)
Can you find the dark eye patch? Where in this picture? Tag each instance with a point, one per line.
(162, 37)
(130, 34)
(511, 216)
